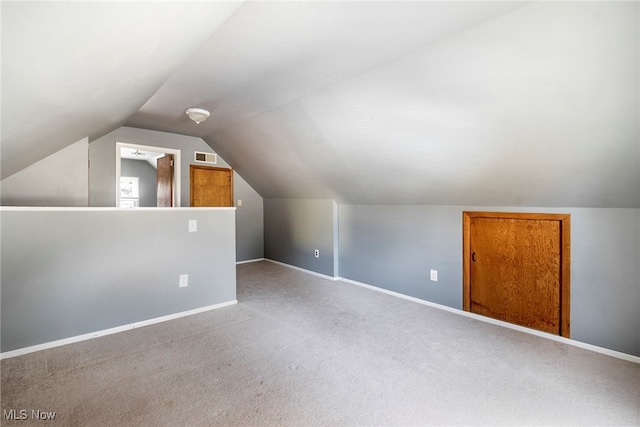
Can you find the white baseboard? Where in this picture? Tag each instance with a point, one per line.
(91, 335)
(591, 347)
(580, 344)
(249, 260)
(586, 346)
(304, 270)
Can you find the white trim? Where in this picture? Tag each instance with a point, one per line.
(580, 344)
(324, 276)
(249, 261)
(176, 170)
(104, 332)
(591, 347)
(97, 209)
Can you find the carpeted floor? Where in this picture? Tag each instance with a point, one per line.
(299, 350)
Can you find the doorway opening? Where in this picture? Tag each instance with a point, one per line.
(125, 194)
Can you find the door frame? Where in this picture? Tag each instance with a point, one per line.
(176, 168)
(565, 258)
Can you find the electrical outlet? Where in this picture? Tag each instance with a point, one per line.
(193, 226)
(184, 280)
(434, 275)
(316, 253)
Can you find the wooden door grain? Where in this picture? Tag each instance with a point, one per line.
(165, 181)
(516, 269)
(211, 186)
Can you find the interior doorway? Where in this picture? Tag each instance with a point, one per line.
(516, 268)
(149, 154)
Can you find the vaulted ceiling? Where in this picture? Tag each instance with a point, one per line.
(461, 103)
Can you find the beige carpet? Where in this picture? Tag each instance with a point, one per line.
(299, 350)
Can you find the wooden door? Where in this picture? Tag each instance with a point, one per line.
(516, 268)
(165, 181)
(211, 186)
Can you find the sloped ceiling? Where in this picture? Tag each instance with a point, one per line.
(462, 103)
(77, 69)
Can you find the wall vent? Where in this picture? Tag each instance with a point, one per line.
(201, 157)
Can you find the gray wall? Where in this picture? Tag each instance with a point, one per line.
(68, 272)
(102, 177)
(102, 154)
(147, 180)
(249, 221)
(43, 184)
(394, 247)
(294, 228)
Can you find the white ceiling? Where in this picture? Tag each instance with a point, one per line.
(471, 103)
(137, 154)
(150, 157)
(77, 69)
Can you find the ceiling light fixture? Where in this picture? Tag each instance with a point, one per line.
(197, 114)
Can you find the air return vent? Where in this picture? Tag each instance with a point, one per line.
(201, 157)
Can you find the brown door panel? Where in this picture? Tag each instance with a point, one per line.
(211, 186)
(516, 269)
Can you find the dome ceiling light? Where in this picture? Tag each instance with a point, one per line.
(198, 115)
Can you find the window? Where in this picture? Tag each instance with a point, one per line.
(129, 192)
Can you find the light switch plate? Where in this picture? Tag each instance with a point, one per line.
(434, 275)
(184, 280)
(193, 226)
